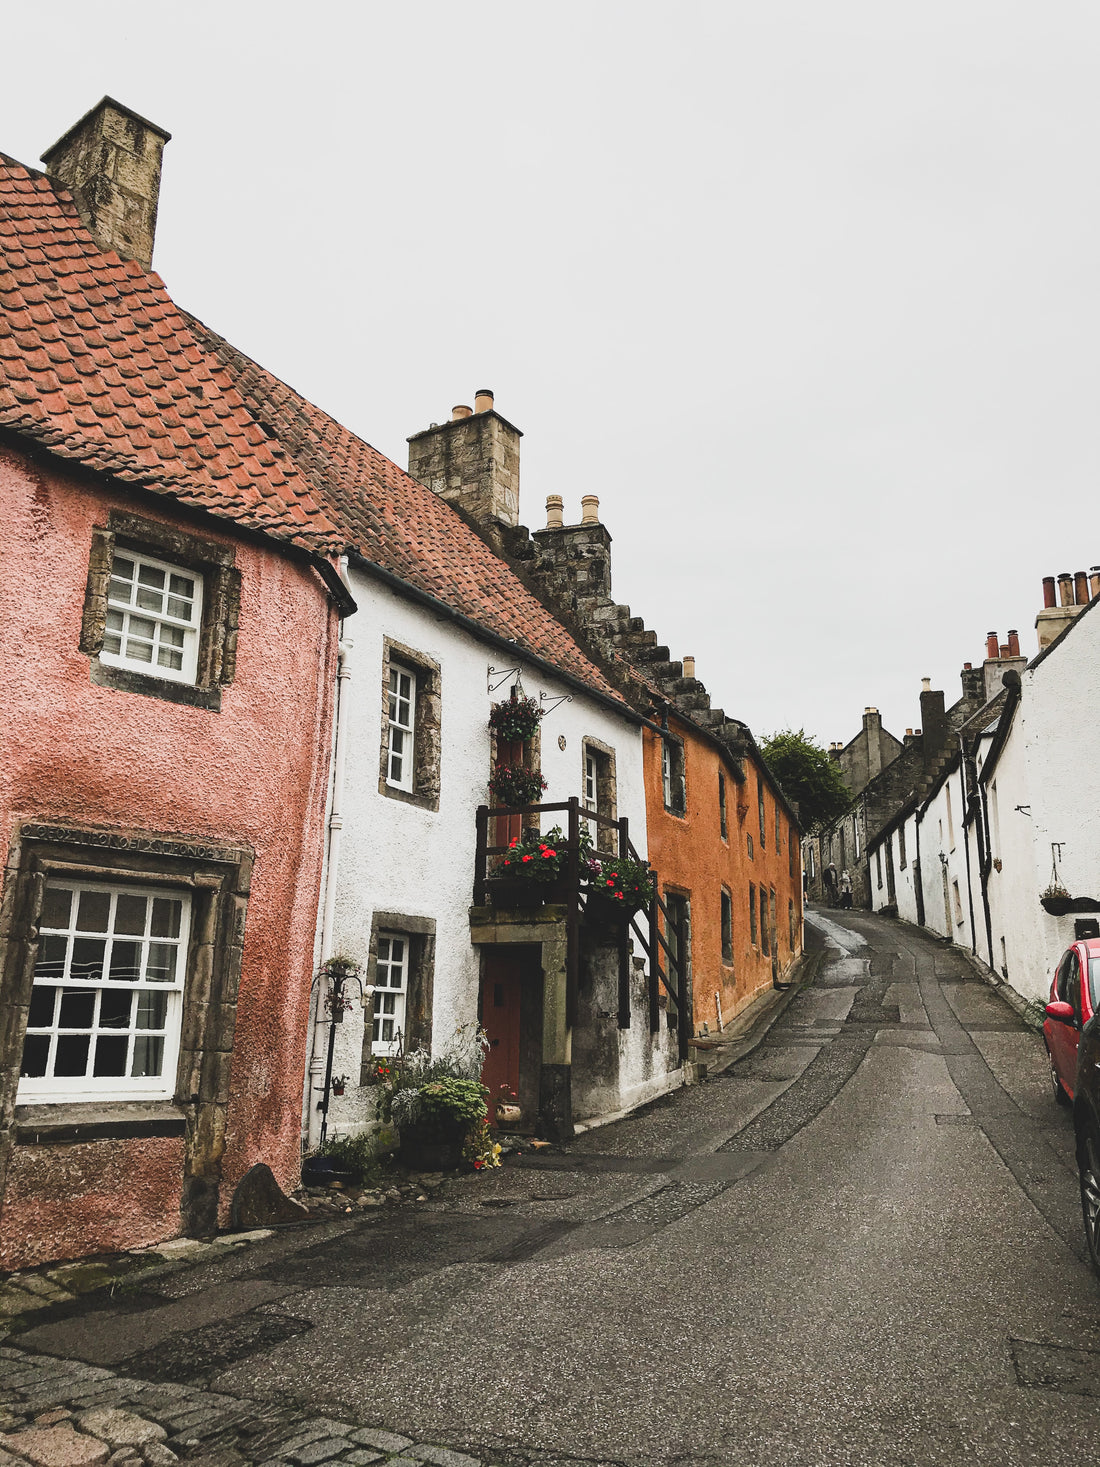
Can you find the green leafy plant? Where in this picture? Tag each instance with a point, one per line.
(807, 776)
(481, 1151)
(449, 1099)
(352, 1154)
(516, 719)
(513, 785)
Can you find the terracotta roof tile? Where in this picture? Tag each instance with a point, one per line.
(89, 343)
(98, 364)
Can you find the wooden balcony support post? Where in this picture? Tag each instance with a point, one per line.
(480, 858)
(654, 960)
(572, 914)
(624, 938)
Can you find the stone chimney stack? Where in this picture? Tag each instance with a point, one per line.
(472, 462)
(933, 717)
(1074, 593)
(110, 163)
(579, 554)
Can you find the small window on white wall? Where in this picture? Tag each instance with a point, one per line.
(390, 987)
(402, 726)
(106, 1002)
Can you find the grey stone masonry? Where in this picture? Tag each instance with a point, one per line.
(63, 1413)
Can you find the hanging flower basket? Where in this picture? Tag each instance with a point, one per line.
(516, 719)
(513, 785)
(1057, 906)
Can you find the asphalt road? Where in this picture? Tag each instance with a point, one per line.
(860, 1245)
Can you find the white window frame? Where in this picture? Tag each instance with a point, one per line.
(127, 610)
(61, 1088)
(591, 786)
(401, 730)
(388, 992)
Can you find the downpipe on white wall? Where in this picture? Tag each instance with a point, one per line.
(321, 1026)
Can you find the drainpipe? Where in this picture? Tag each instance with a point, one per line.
(966, 845)
(315, 1079)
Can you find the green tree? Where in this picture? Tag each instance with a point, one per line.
(807, 776)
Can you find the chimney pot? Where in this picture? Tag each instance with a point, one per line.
(917, 732)
(689, 666)
(1065, 588)
(967, 666)
(992, 650)
(460, 410)
(1013, 642)
(1081, 588)
(1094, 578)
(554, 519)
(483, 400)
(926, 684)
(590, 509)
(1050, 594)
(908, 733)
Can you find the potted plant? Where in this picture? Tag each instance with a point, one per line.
(516, 720)
(437, 1104)
(529, 870)
(338, 1084)
(616, 886)
(508, 1110)
(339, 970)
(1055, 899)
(514, 785)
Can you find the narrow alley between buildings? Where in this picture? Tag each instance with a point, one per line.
(860, 1243)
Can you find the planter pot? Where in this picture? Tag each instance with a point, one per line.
(1057, 906)
(606, 912)
(506, 891)
(433, 1146)
(508, 1114)
(338, 1090)
(321, 1171)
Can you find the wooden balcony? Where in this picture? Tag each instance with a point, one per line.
(658, 933)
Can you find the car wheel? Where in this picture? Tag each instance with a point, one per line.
(1088, 1163)
(1059, 1089)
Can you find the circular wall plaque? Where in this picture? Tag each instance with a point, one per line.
(561, 741)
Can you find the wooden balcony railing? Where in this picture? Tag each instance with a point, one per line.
(662, 937)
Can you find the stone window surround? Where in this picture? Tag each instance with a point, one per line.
(676, 804)
(419, 983)
(723, 813)
(426, 734)
(213, 563)
(754, 930)
(726, 908)
(219, 878)
(607, 786)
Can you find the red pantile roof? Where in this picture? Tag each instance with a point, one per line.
(100, 366)
(399, 524)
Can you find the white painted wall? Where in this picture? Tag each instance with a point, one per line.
(396, 857)
(1051, 764)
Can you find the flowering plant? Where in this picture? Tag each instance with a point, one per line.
(515, 719)
(480, 1150)
(620, 880)
(536, 858)
(514, 785)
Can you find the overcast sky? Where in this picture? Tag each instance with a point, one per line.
(806, 292)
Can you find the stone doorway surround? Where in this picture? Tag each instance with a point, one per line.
(544, 929)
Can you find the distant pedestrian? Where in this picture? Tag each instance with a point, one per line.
(845, 890)
(830, 879)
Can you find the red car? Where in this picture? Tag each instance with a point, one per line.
(1074, 998)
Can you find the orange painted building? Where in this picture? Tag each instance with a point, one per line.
(725, 846)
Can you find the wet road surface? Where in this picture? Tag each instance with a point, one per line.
(861, 1244)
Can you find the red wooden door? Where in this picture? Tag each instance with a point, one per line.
(500, 1015)
(509, 827)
